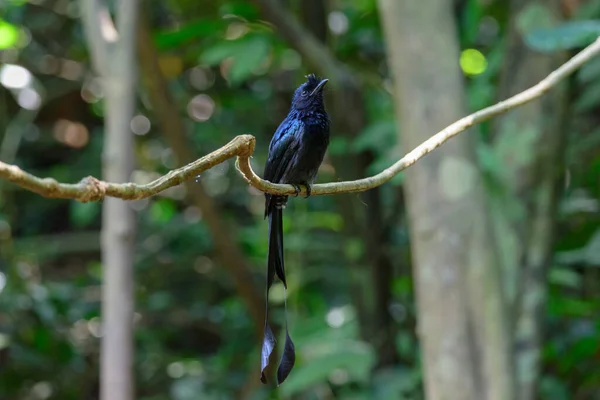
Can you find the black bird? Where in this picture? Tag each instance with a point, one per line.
(295, 154)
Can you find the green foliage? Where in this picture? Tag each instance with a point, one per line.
(570, 35)
(248, 54)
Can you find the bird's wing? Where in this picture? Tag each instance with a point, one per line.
(282, 150)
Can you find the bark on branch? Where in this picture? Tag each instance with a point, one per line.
(92, 189)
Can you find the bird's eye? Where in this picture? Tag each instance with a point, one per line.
(304, 93)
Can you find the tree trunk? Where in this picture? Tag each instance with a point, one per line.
(463, 324)
(115, 60)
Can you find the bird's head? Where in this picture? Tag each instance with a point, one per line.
(310, 93)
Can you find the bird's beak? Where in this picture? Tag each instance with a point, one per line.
(319, 86)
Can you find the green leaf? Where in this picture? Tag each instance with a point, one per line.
(83, 214)
(565, 277)
(582, 350)
(560, 305)
(589, 254)
(248, 53)
(535, 16)
(219, 52)
(570, 35)
(249, 58)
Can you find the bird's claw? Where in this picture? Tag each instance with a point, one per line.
(297, 189)
(308, 190)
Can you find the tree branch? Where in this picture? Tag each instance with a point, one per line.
(91, 189)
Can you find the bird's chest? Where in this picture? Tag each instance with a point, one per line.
(309, 151)
(316, 128)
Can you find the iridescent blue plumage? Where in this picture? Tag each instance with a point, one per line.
(295, 154)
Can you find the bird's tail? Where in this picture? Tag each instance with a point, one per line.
(275, 262)
(275, 265)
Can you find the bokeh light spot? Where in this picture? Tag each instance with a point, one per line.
(472, 62)
(42, 390)
(91, 91)
(140, 125)
(201, 107)
(203, 265)
(335, 317)
(9, 35)
(338, 22)
(29, 99)
(94, 326)
(14, 76)
(201, 78)
(176, 370)
(73, 134)
(71, 70)
(2, 282)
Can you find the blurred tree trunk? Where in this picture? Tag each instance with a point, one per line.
(463, 325)
(115, 60)
(532, 181)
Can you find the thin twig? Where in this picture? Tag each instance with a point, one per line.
(91, 189)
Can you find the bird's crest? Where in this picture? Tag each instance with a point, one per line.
(313, 79)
